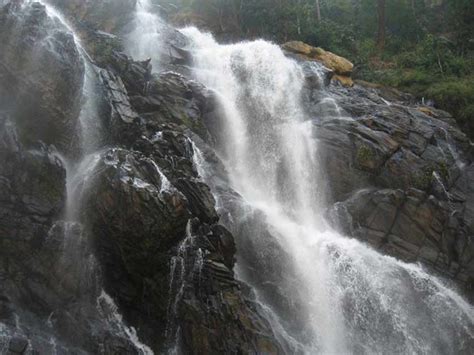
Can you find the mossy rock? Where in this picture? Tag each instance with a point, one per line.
(365, 157)
(422, 180)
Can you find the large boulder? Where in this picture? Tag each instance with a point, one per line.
(165, 260)
(340, 65)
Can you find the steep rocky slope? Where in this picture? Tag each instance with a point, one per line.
(149, 220)
(398, 176)
(401, 177)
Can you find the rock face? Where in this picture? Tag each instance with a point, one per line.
(107, 15)
(43, 293)
(41, 75)
(399, 179)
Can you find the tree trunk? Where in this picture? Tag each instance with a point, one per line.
(298, 21)
(381, 25)
(318, 10)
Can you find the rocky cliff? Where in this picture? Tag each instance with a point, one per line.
(149, 241)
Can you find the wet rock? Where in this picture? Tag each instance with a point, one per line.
(385, 144)
(47, 298)
(109, 15)
(118, 113)
(164, 258)
(41, 75)
(400, 177)
(18, 345)
(33, 182)
(174, 55)
(202, 204)
(215, 314)
(414, 227)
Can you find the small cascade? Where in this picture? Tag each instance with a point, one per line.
(144, 42)
(185, 267)
(199, 162)
(109, 310)
(90, 122)
(333, 294)
(166, 185)
(450, 148)
(79, 171)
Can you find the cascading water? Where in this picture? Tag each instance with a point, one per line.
(347, 297)
(79, 170)
(79, 263)
(144, 42)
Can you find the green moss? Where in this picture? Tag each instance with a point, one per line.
(365, 156)
(443, 170)
(422, 180)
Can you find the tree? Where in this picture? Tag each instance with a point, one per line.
(318, 10)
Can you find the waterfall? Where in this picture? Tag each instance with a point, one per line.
(144, 42)
(347, 298)
(79, 263)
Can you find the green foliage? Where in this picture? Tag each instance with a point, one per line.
(456, 96)
(332, 36)
(453, 93)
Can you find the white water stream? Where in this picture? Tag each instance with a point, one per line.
(144, 42)
(354, 299)
(79, 174)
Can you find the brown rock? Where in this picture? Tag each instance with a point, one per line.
(426, 111)
(341, 66)
(344, 80)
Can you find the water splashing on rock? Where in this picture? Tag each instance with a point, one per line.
(331, 293)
